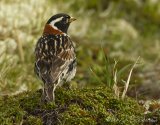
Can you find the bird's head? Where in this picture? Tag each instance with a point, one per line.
(60, 22)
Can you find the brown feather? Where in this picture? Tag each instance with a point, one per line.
(50, 30)
(53, 64)
(66, 55)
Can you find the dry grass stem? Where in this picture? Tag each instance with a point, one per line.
(129, 78)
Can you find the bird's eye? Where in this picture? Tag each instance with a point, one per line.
(64, 20)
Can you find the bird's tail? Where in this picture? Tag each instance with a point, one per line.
(48, 94)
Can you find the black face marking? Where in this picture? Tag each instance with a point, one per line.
(62, 25)
(57, 16)
(61, 21)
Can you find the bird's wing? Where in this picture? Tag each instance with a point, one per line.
(53, 55)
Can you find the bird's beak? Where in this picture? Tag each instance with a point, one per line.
(72, 19)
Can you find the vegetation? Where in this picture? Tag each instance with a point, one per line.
(78, 106)
(124, 29)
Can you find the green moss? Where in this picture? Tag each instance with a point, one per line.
(100, 106)
(32, 120)
(14, 109)
(79, 106)
(153, 117)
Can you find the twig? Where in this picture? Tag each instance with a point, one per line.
(115, 87)
(129, 78)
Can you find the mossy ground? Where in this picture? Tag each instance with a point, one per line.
(78, 106)
(125, 29)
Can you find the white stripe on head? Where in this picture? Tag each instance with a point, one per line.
(52, 23)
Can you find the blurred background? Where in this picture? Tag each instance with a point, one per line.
(122, 30)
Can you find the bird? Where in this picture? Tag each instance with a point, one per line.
(55, 57)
